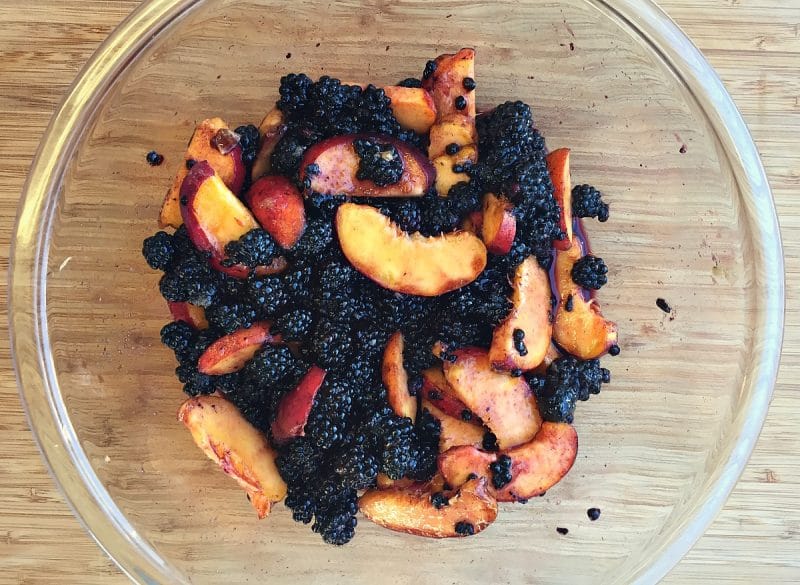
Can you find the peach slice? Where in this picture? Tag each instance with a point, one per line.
(228, 165)
(446, 177)
(241, 451)
(188, 313)
(407, 263)
(438, 392)
(410, 509)
(230, 353)
(412, 106)
(294, 408)
(454, 431)
(214, 216)
(536, 466)
(447, 83)
(558, 167)
(395, 378)
(581, 331)
(272, 129)
(530, 314)
(454, 129)
(278, 207)
(499, 224)
(336, 165)
(505, 403)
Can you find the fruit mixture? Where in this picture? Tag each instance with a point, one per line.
(383, 302)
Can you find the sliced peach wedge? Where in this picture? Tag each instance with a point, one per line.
(395, 378)
(231, 352)
(438, 392)
(505, 403)
(454, 431)
(536, 466)
(294, 408)
(240, 449)
(522, 339)
(213, 215)
(211, 143)
(579, 327)
(558, 167)
(403, 262)
(330, 167)
(412, 106)
(272, 129)
(468, 511)
(499, 226)
(278, 206)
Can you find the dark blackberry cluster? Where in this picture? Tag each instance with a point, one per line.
(295, 325)
(501, 471)
(255, 248)
(249, 140)
(588, 202)
(380, 163)
(189, 278)
(568, 380)
(188, 345)
(590, 272)
(325, 108)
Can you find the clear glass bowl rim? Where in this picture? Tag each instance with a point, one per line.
(49, 418)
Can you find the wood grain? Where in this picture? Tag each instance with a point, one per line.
(755, 47)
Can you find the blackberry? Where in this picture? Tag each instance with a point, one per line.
(501, 471)
(588, 202)
(464, 197)
(464, 528)
(159, 251)
(296, 283)
(327, 421)
(289, 151)
(370, 340)
(298, 461)
(249, 140)
(294, 93)
(410, 82)
(190, 280)
(428, 430)
(331, 343)
(336, 276)
(379, 163)
(230, 317)
(490, 441)
(399, 453)
(590, 272)
(568, 380)
(295, 325)
(254, 401)
(335, 516)
(178, 336)
(255, 248)
(320, 206)
(438, 215)
(341, 306)
(315, 241)
(300, 500)
(267, 295)
(194, 383)
(356, 468)
(272, 365)
(406, 215)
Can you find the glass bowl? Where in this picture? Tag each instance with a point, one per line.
(648, 122)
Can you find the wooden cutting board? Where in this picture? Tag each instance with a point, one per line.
(754, 46)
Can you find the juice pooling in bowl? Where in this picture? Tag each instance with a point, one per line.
(660, 450)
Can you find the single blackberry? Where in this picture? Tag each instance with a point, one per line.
(266, 295)
(315, 241)
(159, 251)
(190, 280)
(335, 517)
(327, 420)
(300, 500)
(299, 461)
(399, 453)
(331, 343)
(295, 325)
(336, 276)
(255, 248)
(194, 383)
(438, 215)
(289, 151)
(178, 336)
(465, 197)
(297, 283)
(588, 202)
(590, 272)
(272, 365)
(294, 93)
(356, 467)
(341, 306)
(379, 163)
(249, 140)
(410, 82)
(230, 317)
(501, 471)
(568, 380)
(464, 528)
